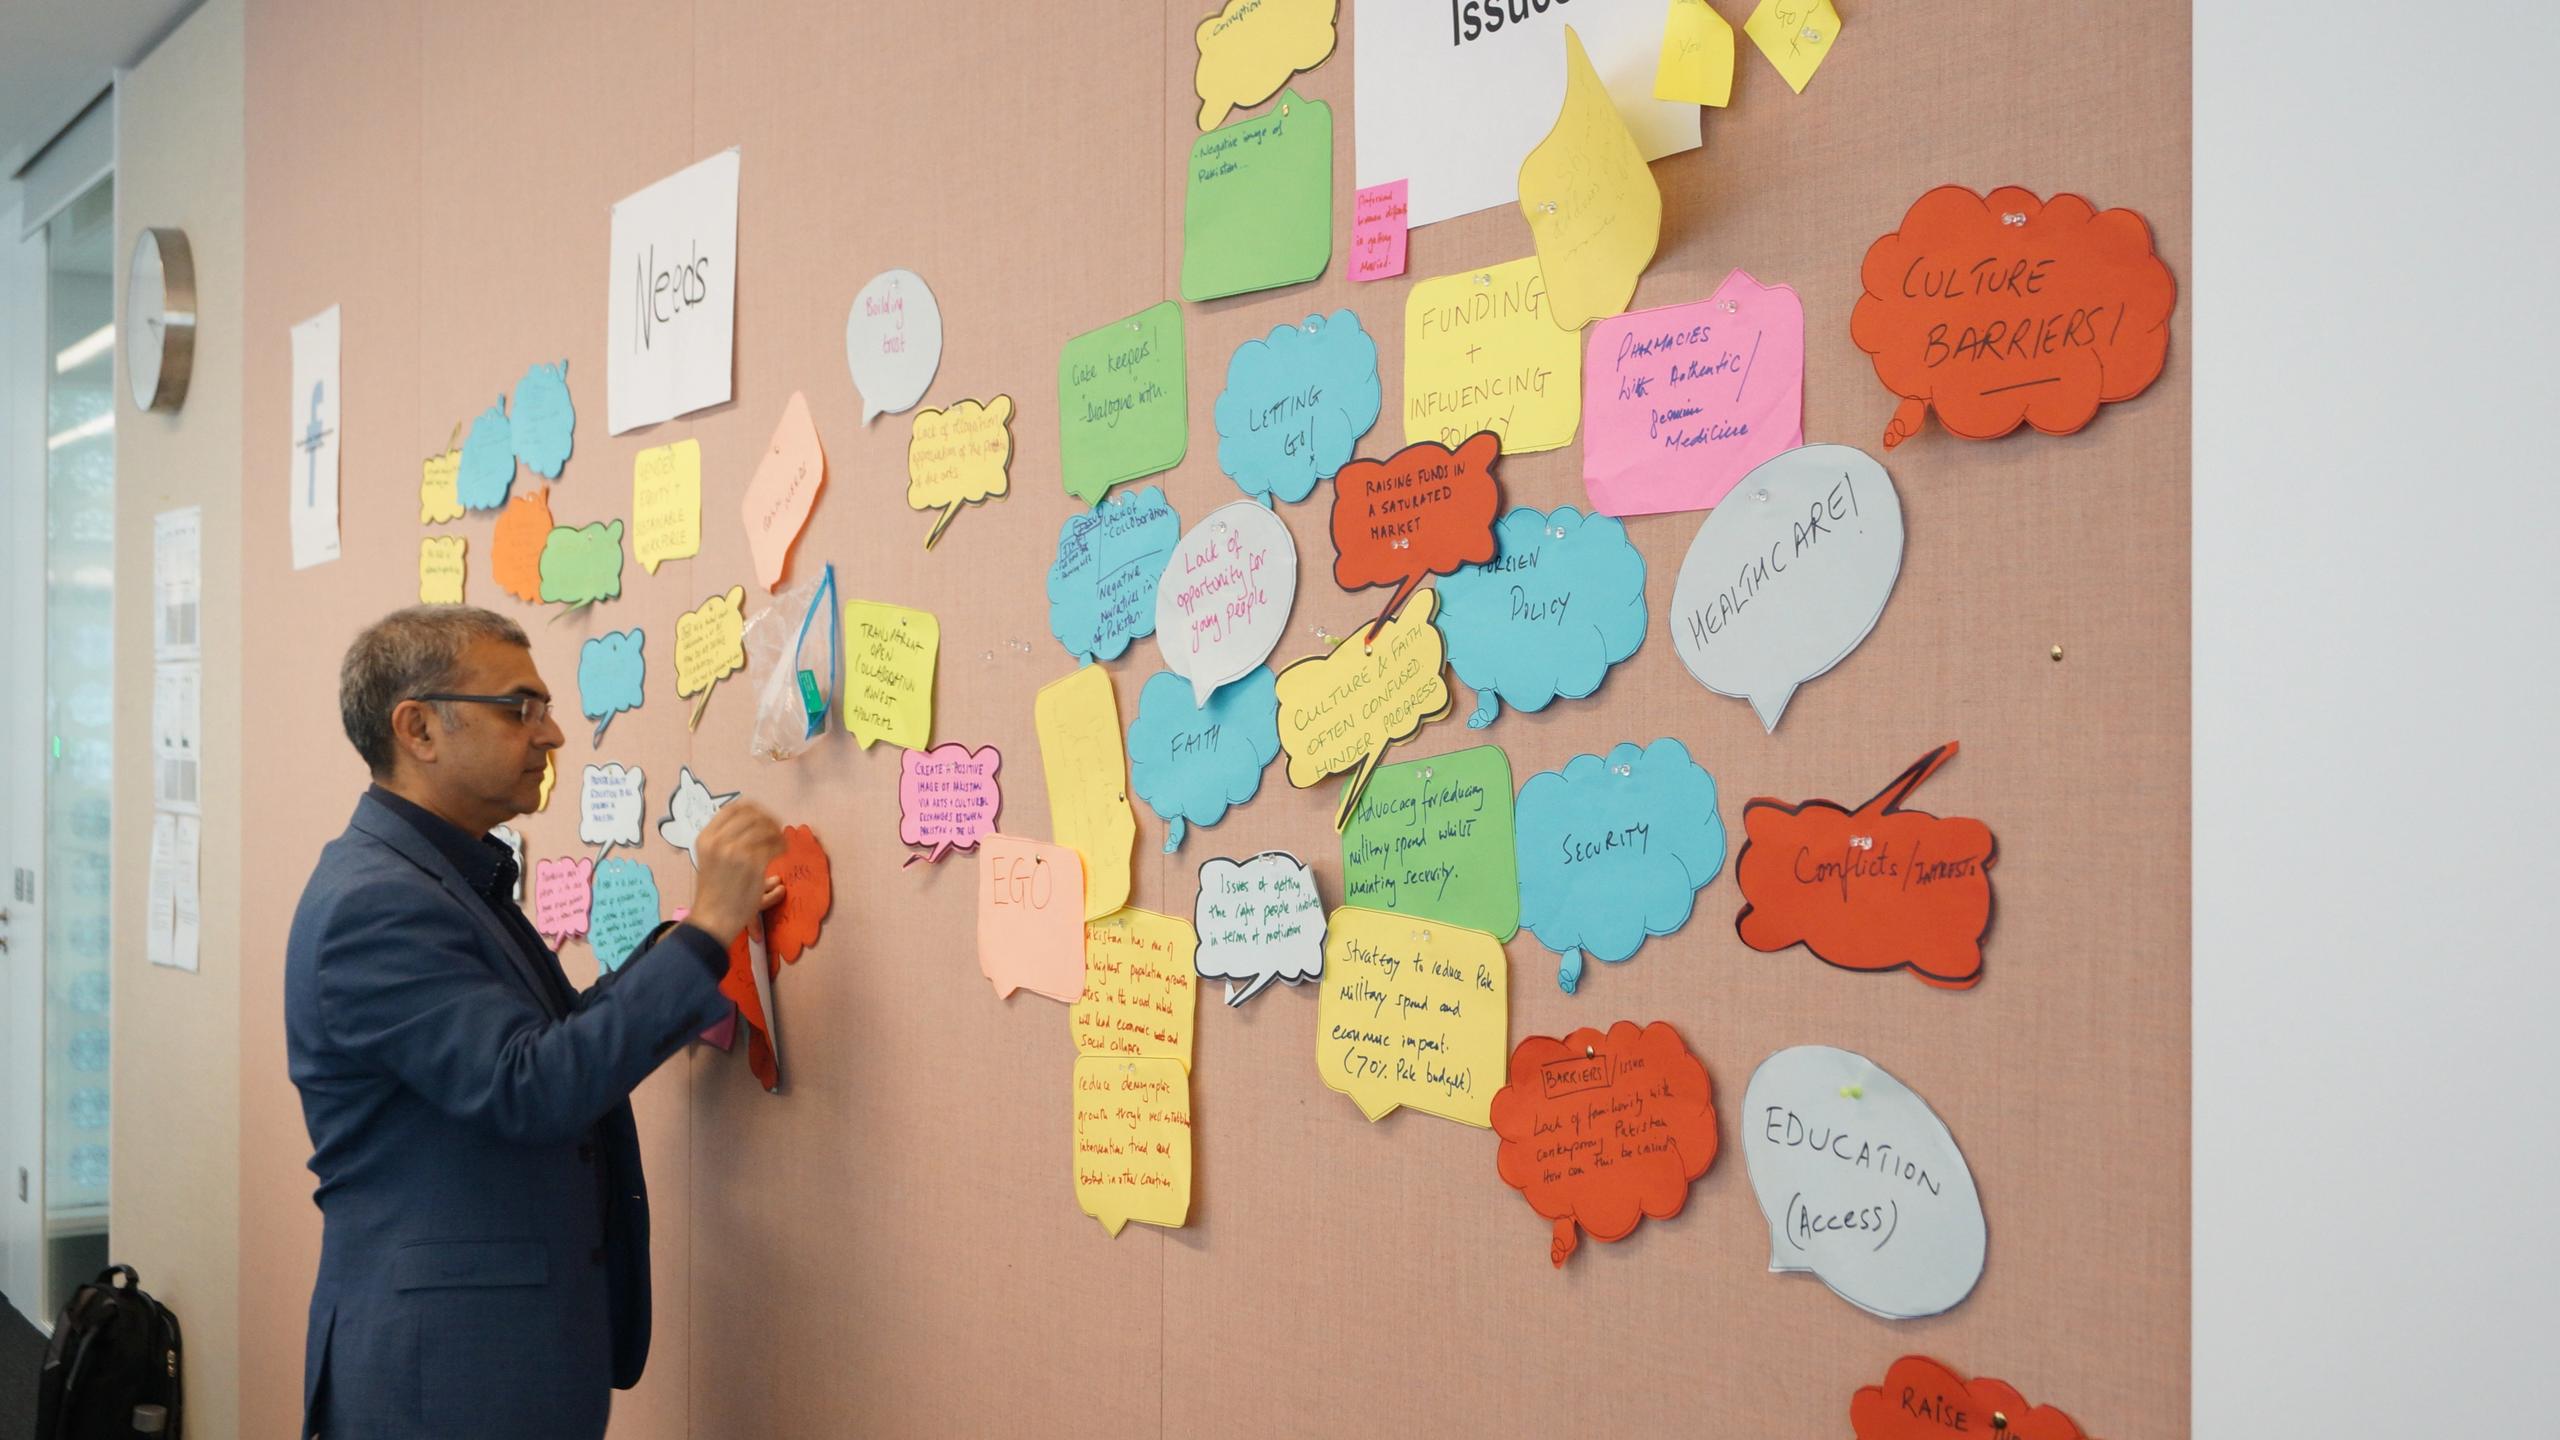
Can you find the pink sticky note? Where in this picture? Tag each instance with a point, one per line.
(1031, 917)
(783, 489)
(1680, 403)
(948, 798)
(561, 892)
(1378, 232)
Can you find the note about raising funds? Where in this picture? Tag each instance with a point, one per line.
(1481, 353)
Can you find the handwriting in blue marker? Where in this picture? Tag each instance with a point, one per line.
(488, 461)
(611, 667)
(545, 422)
(1190, 763)
(622, 911)
(1102, 586)
(1296, 404)
(1562, 601)
(1615, 849)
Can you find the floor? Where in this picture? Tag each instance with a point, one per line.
(21, 1354)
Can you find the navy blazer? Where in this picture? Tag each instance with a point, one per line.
(480, 1275)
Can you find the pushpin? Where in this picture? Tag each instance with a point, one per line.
(2057, 654)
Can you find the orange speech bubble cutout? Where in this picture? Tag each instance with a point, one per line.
(808, 893)
(1604, 1129)
(2002, 309)
(1876, 888)
(515, 544)
(742, 986)
(1425, 510)
(1921, 1399)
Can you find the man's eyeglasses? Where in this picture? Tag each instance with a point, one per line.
(530, 709)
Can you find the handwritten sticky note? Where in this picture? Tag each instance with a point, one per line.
(666, 503)
(891, 651)
(439, 496)
(1132, 1136)
(1432, 838)
(1087, 770)
(1796, 35)
(958, 457)
(1103, 583)
(1031, 918)
(808, 893)
(711, 645)
(1592, 207)
(779, 495)
(1697, 56)
(623, 911)
(488, 466)
(612, 668)
(1191, 762)
(541, 421)
(893, 341)
(1257, 208)
(1425, 510)
(582, 564)
(611, 801)
(1614, 849)
(1341, 710)
(1680, 403)
(1123, 402)
(561, 893)
(516, 543)
(1141, 996)
(1604, 1128)
(1480, 353)
(948, 798)
(1378, 232)
(1295, 404)
(1249, 48)
(1876, 888)
(690, 806)
(1258, 920)
(1921, 1399)
(1413, 1012)
(1561, 601)
(1225, 597)
(440, 569)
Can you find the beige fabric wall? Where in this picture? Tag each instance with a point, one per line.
(175, 1196)
(892, 1247)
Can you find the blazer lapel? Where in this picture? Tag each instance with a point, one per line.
(376, 820)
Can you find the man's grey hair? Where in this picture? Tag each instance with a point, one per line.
(403, 655)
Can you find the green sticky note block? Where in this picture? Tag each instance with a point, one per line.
(582, 564)
(1433, 838)
(1257, 210)
(1124, 409)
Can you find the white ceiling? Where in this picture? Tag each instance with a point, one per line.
(56, 55)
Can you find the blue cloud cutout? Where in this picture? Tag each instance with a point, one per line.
(488, 461)
(1295, 405)
(1613, 851)
(1102, 586)
(544, 421)
(622, 911)
(1562, 601)
(611, 668)
(1189, 764)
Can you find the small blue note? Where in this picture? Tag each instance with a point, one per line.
(546, 424)
(1614, 849)
(488, 461)
(623, 910)
(1102, 586)
(1189, 764)
(1562, 601)
(1296, 404)
(611, 668)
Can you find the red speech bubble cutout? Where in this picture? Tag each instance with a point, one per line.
(1604, 1129)
(790, 928)
(2002, 310)
(1425, 510)
(1921, 1399)
(741, 988)
(1876, 888)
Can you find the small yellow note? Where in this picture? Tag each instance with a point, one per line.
(666, 503)
(1087, 767)
(1697, 56)
(550, 772)
(1590, 201)
(1250, 48)
(1414, 1012)
(1796, 35)
(1141, 994)
(439, 495)
(1133, 1141)
(440, 569)
(957, 457)
(710, 645)
(889, 656)
(1481, 354)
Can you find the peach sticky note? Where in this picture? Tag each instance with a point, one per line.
(666, 503)
(1031, 918)
(1132, 1137)
(1590, 200)
(890, 651)
(1414, 1012)
(783, 489)
(1378, 232)
(1087, 767)
(440, 569)
(1141, 994)
(1697, 56)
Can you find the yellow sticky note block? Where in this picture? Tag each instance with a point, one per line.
(439, 496)
(440, 569)
(1697, 56)
(957, 457)
(550, 772)
(1133, 1142)
(1141, 994)
(890, 651)
(1340, 712)
(1796, 35)
(711, 644)
(1480, 353)
(1250, 48)
(1590, 200)
(1087, 767)
(666, 503)
(1413, 1012)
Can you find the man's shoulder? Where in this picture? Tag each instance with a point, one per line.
(359, 871)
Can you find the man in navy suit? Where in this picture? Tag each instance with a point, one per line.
(484, 1257)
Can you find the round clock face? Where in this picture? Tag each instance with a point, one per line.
(160, 319)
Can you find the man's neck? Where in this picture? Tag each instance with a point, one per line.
(409, 789)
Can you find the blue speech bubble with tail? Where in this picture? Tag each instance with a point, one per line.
(611, 668)
(1190, 763)
(623, 910)
(1102, 586)
(1561, 602)
(1614, 849)
(1295, 405)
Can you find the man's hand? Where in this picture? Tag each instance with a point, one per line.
(730, 888)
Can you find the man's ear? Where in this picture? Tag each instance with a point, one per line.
(413, 730)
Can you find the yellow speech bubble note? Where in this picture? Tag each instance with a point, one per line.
(1697, 56)
(666, 503)
(1141, 994)
(1133, 1141)
(958, 457)
(440, 569)
(1481, 354)
(1590, 201)
(439, 486)
(1250, 48)
(1339, 712)
(550, 773)
(1087, 767)
(1796, 35)
(711, 645)
(890, 651)
(1413, 1012)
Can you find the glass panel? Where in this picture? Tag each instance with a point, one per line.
(79, 696)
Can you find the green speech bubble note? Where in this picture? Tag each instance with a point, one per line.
(582, 565)
(1123, 408)
(1257, 207)
(1433, 838)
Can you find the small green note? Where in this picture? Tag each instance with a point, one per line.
(1123, 404)
(1257, 209)
(582, 564)
(1433, 838)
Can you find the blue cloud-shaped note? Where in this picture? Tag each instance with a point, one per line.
(1102, 586)
(488, 461)
(1562, 601)
(1189, 764)
(1296, 404)
(622, 911)
(1614, 850)
(611, 667)
(546, 424)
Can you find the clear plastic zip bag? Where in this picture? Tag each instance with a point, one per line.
(796, 640)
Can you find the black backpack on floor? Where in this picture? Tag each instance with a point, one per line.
(112, 1368)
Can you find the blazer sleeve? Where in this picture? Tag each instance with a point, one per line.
(401, 982)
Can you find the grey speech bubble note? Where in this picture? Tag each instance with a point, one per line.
(610, 805)
(1861, 1183)
(1259, 920)
(1788, 574)
(1225, 596)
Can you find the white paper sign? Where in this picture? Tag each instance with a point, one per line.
(1788, 574)
(893, 342)
(1861, 1183)
(313, 505)
(1225, 596)
(1450, 95)
(671, 296)
(1258, 921)
(177, 583)
(609, 807)
(160, 902)
(177, 723)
